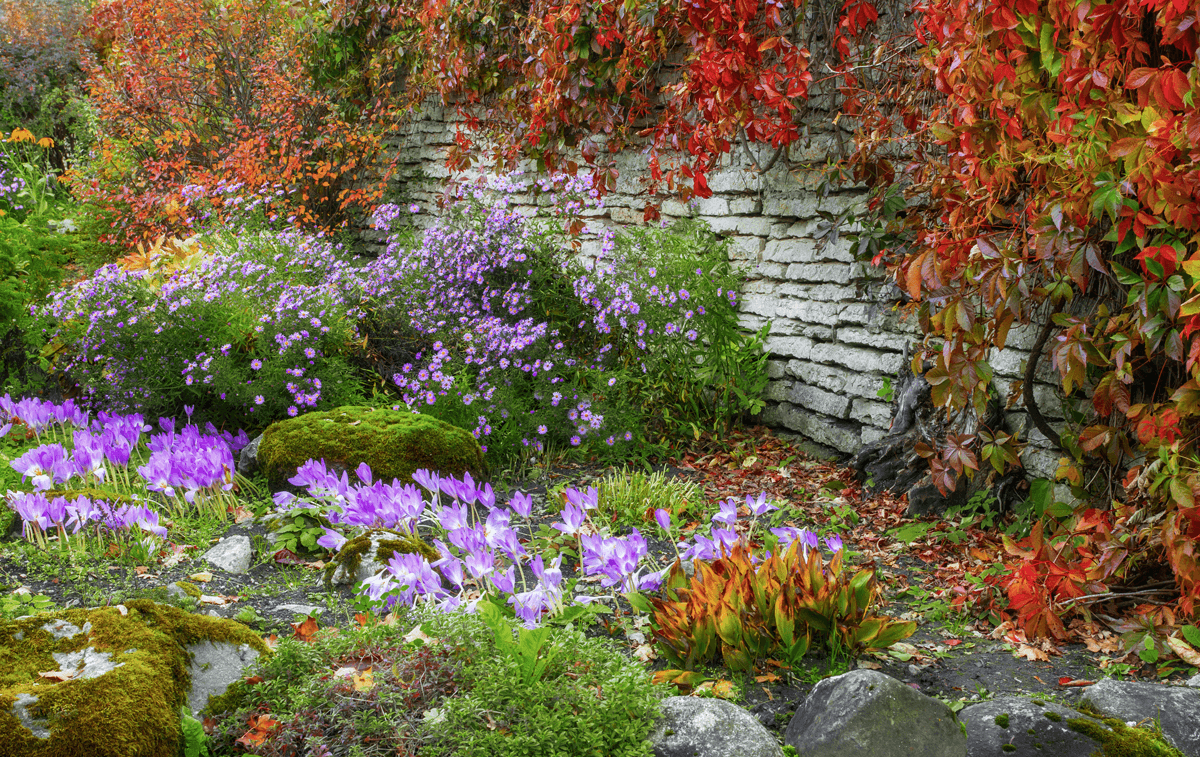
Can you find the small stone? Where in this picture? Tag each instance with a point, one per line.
(214, 666)
(1023, 728)
(1194, 681)
(231, 555)
(865, 712)
(297, 609)
(248, 457)
(61, 629)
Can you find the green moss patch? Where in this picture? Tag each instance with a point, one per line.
(394, 443)
(131, 710)
(388, 542)
(1119, 740)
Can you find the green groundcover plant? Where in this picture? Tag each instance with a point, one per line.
(436, 683)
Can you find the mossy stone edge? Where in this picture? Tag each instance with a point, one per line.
(125, 712)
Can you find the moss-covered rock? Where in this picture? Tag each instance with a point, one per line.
(394, 443)
(369, 553)
(118, 676)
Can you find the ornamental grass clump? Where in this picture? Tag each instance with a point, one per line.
(101, 481)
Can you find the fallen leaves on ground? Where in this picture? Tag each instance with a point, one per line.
(305, 630)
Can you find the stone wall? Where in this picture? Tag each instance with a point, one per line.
(837, 332)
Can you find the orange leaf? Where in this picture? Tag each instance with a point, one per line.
(305, 630)
(260, 728)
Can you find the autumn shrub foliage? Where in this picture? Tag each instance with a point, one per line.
(196, 97)
(1053, 181)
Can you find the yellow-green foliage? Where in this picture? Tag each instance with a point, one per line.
(132, 711)
(351, 554)
(394, 443)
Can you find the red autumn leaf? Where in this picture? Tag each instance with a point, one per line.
(288, 557)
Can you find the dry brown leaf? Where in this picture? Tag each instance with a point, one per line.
(58, 675)
(1031, 653)
(1185, 651)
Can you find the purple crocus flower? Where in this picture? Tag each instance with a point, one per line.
(453, 517)
(528, 606)
(760, 506)
(481, 562)
(508, 543)
(572, 520)
(727, 513)
(487, 497)
(583, 500)
(663, 519)
(834, 542)
(32, 508)
(504, 582)
(522, 504)
(332, 540)
(427, 479)
(364, 473)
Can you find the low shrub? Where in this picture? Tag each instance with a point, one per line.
(256, 328)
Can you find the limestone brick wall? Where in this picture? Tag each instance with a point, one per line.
(836, 327)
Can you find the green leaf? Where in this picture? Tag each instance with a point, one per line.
(1192, 634)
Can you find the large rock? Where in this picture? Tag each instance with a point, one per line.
(214, 665)
(695, 727)
(109, 682)
(1024, 728)
(867, 713)
(394, 443)
(232, 554)
(1176, 709)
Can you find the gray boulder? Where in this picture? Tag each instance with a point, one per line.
(232, 554)
(1024, 728)
(214, 665)
(695, 727)
(1176, 709)
(248, 458)
(865, 712)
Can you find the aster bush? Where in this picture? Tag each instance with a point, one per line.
(668, 299)
(509, 333)
(258, 329)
